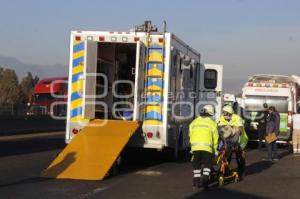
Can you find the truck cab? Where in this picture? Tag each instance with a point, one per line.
(49, 98)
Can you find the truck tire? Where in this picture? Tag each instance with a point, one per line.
(177, 147)
(180, 154)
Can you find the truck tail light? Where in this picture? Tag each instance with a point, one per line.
(161, 40)
(74, 131)
(149, 134)
(136, 39)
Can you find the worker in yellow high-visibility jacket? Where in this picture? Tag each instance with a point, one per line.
(229, 118)
(203, 133)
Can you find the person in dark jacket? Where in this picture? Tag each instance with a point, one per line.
(262, 124)
(273, 123)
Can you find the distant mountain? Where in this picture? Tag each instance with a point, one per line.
(41, 71)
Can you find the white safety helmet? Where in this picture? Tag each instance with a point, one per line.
(209, 109)
(228, 109)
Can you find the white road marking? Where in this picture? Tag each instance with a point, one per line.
(149, 173)
(93, 192)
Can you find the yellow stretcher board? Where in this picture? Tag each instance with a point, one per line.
(92, 152)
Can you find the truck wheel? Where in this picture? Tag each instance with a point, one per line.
(113, 171)
(179, 155)
(176, 153)
(176, 147)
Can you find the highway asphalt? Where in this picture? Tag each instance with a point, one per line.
(142, 174)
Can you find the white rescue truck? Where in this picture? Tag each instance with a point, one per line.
(279, 91)
(140, 88)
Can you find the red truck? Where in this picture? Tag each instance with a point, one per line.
(49, 97)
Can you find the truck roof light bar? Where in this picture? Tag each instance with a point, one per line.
(146, 27)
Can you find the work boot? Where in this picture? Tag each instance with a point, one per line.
(241, 176)
(275, 159)
(196, 183)
(267, 159)
(259, 146)
(205, 182)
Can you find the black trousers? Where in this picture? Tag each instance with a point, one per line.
(240, 159)
(202, 163)
(261, 135)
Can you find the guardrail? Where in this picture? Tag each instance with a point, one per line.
(12, 125)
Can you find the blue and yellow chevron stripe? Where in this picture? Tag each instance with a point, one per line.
(155, 45)
(155, 69)
(153, 112)
(154, 84)
(77, 82)
(153, 115)
(154, 99)
(155, 55)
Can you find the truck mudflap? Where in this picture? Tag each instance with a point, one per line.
(92, 152)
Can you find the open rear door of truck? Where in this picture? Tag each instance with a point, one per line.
(139, 81)
(90, 74)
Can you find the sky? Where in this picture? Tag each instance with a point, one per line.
(246, 36)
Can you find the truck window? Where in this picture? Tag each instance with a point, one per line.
(180, 65)
(43, 97)
(210, 79)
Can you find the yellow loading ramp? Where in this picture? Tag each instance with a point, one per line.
(92, 152)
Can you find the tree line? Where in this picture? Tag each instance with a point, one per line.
(13, 91)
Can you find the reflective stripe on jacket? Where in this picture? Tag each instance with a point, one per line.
(236, 121)
(203, 133)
